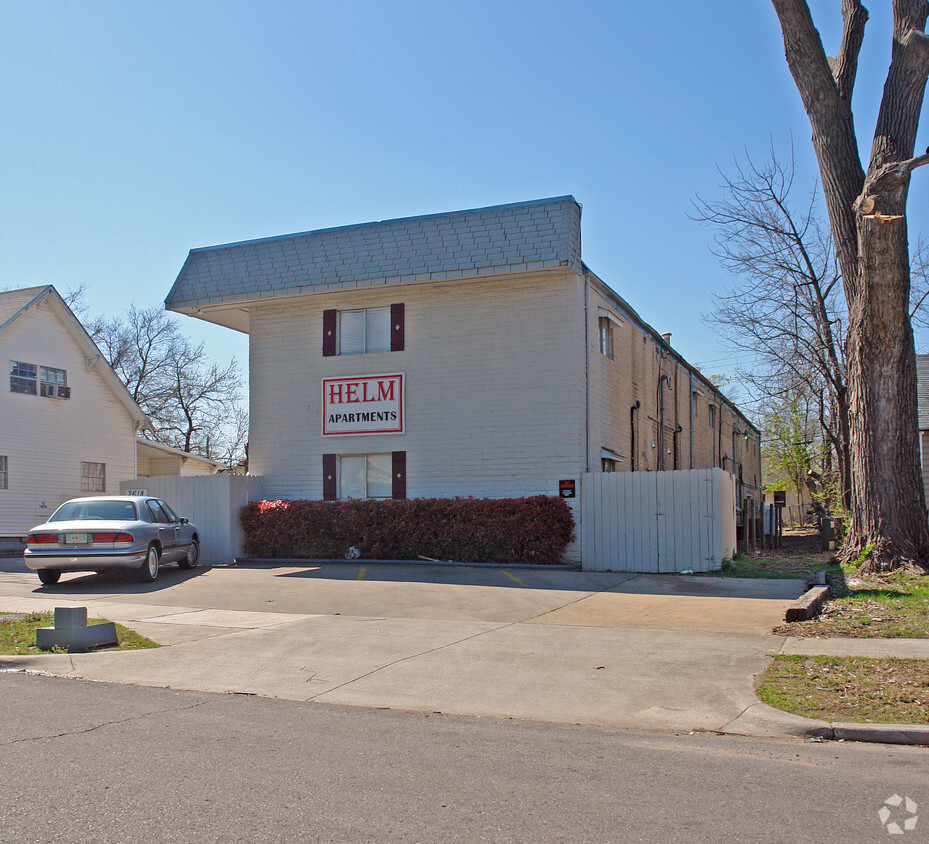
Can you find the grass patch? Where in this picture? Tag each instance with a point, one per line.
(859, 689)
(17, 634)
(889, 606)
(777, 567)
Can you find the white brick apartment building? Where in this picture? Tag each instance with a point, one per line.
(463, 354)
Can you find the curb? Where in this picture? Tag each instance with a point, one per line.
(764, 718)
(913, 734)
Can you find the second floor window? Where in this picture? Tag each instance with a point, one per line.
(365, 331)
(4, 476)
(23, 378)
(606, 337)
(47, 375)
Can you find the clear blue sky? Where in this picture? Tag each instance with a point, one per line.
(134, 131)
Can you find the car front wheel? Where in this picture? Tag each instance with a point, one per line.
(192, 558)
(149, 571)
(49, 577)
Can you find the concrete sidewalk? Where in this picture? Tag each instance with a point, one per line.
(612, 650)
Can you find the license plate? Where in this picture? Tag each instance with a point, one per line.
(76, 538)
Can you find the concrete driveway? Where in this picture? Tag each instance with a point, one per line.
(615, 650)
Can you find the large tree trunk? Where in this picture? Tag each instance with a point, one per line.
(888, 506)
(888, 524)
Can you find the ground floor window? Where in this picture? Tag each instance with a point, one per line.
(93, 477)
(365, 476)
(4, 477)
(607, 464)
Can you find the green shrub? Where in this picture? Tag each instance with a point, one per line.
(467, 530)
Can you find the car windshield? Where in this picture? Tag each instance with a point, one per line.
(109, 511)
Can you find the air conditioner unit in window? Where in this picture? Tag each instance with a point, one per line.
(47, 390)
(62, 392)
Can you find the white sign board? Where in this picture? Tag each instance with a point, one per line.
(363, 404)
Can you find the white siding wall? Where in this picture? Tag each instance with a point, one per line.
(46, 439)
(495, 387)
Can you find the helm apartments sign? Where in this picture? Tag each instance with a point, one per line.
(363, 404)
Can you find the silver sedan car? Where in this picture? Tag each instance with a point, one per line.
(111, 531)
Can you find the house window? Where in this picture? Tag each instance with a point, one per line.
(56, 377)
(4, 477)
(711, 416)
(365, 476)
(93, 477)
(607, 464)
(23, 378)
(364, 332)
(606, 337)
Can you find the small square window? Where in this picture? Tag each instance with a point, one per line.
(47, 375)
(607, 464)
(364, 332)
(365, 476)
(23, 378)
(93, 477)
(4, 475)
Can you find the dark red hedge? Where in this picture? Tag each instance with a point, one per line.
(467, 530)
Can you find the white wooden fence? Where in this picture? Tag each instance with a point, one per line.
(211, 502)
(657, 521)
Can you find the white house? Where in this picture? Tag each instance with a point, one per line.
(471, 353)
(68, 425)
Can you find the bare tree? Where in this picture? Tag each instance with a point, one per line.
(192, 403)
(867, 211)
(786, 309)
(203, 399)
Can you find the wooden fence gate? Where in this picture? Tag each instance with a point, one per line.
(211, 502)
(657, 521)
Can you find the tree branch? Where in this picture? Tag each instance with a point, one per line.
(845, 64)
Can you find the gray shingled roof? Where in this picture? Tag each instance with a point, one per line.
(505, 238)
(13, 301)
(922, 390)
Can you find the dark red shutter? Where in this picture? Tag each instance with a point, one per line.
(397, 330)
(398, 466)
(329, 324)
(330, 488)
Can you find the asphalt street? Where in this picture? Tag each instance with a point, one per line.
(98, 762)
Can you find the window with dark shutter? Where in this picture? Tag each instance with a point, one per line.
(330, 319)
(397, 328)
(398, 474)
(330, 486)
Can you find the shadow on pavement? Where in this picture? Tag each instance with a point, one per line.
(123, 582)
(556, 579)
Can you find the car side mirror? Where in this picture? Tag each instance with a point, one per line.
(185, 520)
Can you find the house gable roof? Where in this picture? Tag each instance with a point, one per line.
(15, 304)
(536, 235)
